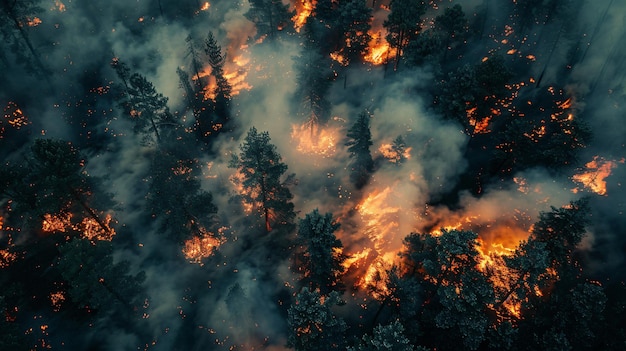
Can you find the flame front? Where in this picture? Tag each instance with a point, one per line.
(594, 175)
(313, 140)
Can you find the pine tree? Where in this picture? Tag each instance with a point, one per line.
(313, 326)
(261, 168)
(321, 259)
(359, 142)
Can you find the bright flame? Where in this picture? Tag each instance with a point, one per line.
(379, 49)
(393, 154)
(304, 8)
(200, 247)
(594, 175)
(205, 6)
(33, 22)
(313, 140)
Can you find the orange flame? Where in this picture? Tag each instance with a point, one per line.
(198, 248)
(304, 8)
(57, 299)
(379, 49)
(596, 171)
(394, 155)
(313, 140)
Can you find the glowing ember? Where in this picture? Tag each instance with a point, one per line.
(57, 300)
(92, 230)
(205, 6)
(200, 247)
(313, 140)
(594, 175)
(339, 57)
(14, 116)
(59, 5)
(56, 223)
(304, 8)
(33, 22)
(6, 257)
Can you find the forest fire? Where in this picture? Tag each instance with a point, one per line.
(198, 248)
(379, 49)
(14, 116)
(312, 139)
(304, 9)
(89, 227)
(594, 175)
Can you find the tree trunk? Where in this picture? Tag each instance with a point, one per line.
(89, 210)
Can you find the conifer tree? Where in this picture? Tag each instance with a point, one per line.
(359, 142)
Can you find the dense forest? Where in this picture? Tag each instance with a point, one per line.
(356, 175)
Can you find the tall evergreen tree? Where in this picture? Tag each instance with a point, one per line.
(270, 17)
(261, 169)
(313, 326)
(404, 23)
(14, 16)
(321, 259)
(144, 105)
(359, 142)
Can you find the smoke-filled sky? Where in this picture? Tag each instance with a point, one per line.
(78, 39)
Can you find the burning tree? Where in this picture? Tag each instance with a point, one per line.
(175, 197)
(261, 169)
(53, 181)
(312, 323)
(403, 24)
(359, 142)
(321, 258)
(456, 292)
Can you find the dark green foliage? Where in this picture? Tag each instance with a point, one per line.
(456, 292)
(404, 23)
(261, 168)
(14, 16)
(320, 261)
(386, 338)
(95, 281)
(313, 326)
(562, 229)
(182, 208)
(479, 88)
(144, 106)
(450, 30)
(314, 79)
(52, 181)
(270, 17)
(223, 90)
(359, 142)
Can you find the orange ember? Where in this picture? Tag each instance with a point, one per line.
(594, 175)
(93, 230)
(200, 247)
(56, 223)
(57, 299)
(313, 140)
(205, 6)
(59, 5)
